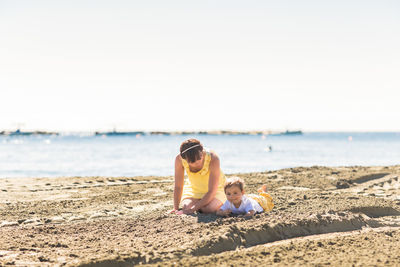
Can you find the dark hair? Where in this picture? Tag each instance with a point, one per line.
(234, 181)
(192, 149)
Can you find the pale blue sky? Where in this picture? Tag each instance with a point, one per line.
(198, 65)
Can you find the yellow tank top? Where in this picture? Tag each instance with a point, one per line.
(196, 186)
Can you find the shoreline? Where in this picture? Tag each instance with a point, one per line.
(319, 212)
(138, 133)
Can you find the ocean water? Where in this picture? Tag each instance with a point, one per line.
(83, 155)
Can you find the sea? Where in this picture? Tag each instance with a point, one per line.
(153, 155)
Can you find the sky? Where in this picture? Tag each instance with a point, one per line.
(85, 65)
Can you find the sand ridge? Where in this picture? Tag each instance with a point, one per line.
(98, 221)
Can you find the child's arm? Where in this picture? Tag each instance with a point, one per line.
(250, 213)
(223, 212)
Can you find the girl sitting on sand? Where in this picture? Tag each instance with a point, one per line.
(238, 203)
(204, 190)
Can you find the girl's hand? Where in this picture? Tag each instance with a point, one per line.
(188, 211)
(250, 213)
(173, 211)
(226, 212)
(223, 212)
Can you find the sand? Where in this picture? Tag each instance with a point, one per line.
(345, 216)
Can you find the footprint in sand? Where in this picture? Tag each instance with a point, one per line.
(112, 213)
(6, 224)
(77, 218)
(160, 194)
(384, 187)
(97, 215)
(57, 220)
(32, 221)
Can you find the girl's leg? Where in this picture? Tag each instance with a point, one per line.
(262, 189)
(266, 201)
(212, 207)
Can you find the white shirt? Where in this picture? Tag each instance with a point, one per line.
(247, 205)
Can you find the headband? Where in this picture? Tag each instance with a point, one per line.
(187, 149)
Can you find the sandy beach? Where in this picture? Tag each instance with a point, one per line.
(343, 216)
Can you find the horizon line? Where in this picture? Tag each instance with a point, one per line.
(210, 131)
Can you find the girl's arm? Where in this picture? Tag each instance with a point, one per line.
(220, 212)
(213, 183)
(223, 212)
(179, 179)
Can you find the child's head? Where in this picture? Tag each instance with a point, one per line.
(191, 150)
(234, 181)
(234, 190)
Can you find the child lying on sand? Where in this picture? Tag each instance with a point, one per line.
(238, 203)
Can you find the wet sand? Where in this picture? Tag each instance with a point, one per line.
(344, 216)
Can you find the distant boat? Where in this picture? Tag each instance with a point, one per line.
(287, 132)
(115, 133)
(20, 133)
(292, 132)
